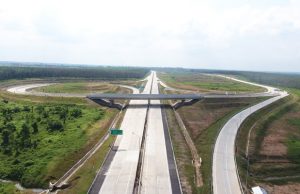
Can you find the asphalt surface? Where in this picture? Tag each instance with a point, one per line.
(120, 175)
(158, 163)
(225, 174)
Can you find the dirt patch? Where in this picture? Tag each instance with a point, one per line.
(202, 114)
(293, 188)
(274, 144)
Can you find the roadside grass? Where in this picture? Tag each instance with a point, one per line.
(182, 155)
(95, 132)
(29, 99)
(8, 188)
(283, 169)
(81, 181)
(205, 83)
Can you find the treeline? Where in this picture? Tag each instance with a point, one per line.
(100, 72)
(273, 79)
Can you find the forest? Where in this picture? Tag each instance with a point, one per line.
(89, 72)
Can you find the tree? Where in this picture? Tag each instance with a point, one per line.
(5, 138)
(63, 114)
(25, 133)
(54, 125)
(76, 112)
(35, 128)
(26, 108)
(10, 126)
(24, 136)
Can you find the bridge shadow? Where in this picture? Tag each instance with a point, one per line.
(137, 106)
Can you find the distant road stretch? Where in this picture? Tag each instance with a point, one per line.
(225, 174)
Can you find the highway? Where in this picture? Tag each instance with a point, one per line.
(120, 172)
(157, 176)
(225, 174)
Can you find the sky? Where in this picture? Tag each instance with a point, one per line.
(258, 35)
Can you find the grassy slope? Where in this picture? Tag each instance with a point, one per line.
(81, 181)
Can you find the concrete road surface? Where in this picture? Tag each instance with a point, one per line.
(225, 176)
(120, 174)
(156, 174)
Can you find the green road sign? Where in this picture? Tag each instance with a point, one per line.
(116, 132)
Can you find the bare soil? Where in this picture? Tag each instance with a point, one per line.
(290, 188)
(277, 134)
(201, 115)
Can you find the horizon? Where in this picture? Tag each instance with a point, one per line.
(239, 34)
(36, 64)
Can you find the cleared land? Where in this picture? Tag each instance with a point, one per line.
(274, 147)
(205, 83)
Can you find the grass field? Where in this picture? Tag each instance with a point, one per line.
(274, 151)
(80, 88)
(205, 83)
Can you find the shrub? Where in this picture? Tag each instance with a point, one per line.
(76, 112)
(54, 125)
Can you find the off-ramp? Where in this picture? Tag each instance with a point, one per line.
(225, 174)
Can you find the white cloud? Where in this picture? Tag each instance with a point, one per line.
(157, 32)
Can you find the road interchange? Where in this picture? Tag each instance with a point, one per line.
(155, 177)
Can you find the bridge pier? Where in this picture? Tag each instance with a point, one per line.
(108, 103)
(184, 103)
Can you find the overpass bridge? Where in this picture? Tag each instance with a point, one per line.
(108, 99)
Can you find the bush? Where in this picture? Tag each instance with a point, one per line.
(54, 125)
(76, 113)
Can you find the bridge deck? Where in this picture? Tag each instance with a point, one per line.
(145, 96)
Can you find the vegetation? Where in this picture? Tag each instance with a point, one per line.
(7, 188)
(37, 138)
(80, 87)
(81, 181)
(48, 71)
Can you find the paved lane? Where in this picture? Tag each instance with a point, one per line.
(156, 176)
(225, 177)
(120, 175)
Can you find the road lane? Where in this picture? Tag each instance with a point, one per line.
(120, 175)
(225, 175)
(155, 171)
